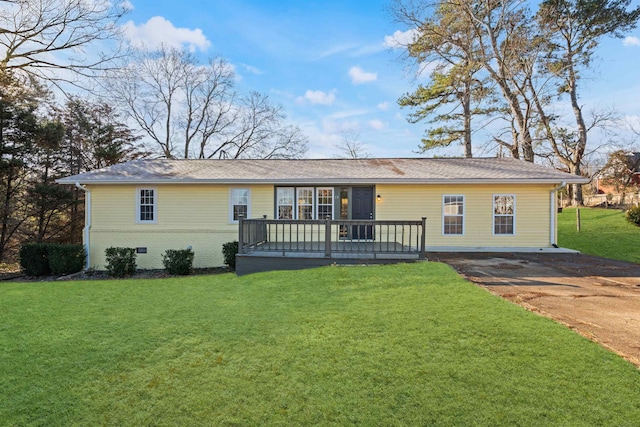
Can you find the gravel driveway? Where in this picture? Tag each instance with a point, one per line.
(597, 297)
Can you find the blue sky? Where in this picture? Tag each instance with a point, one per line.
(328, 64)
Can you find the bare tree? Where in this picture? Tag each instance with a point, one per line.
(351, 147)
(504, 33)
(192, 111)
(572, 30)
(51, 39)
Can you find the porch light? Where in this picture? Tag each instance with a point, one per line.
(378, 197)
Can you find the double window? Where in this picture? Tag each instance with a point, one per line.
(504, 208)
(452, 215)
(239, 201)
(304, 202)
(146, 206)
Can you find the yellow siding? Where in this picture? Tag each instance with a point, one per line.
(198, 216)
(416, 201)
(195, 215)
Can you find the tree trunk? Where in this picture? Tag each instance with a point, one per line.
(582, 135)
(4, 235)
(466, 105)
(576, 193)
(42, 212)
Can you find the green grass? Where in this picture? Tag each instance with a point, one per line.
(397, 345)
(603, 232)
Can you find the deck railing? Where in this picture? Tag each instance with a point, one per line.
(355, 237)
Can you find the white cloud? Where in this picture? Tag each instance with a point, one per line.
(252, 69)
(400, 39)
(384, 106)
(157, 31)
(631, 41)
(318, 97)
(377, 124)
(127, 5)
(346, 114)
(359, 76)
(330, 126)
(341, 48)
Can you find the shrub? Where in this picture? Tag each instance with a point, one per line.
(178, 261)
(66, 259)
(34, 259)
(121, 262)
(633, 215)
(230, 250)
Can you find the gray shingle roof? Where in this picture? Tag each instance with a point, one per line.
(325, 171)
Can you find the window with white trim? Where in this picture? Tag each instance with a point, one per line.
(305, 202)
(504, 214)
(452, 214)
(239, 203)
(324, 198)
(285, 199)
(146, 206)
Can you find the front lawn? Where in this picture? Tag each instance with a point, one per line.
(603, 232)
(409, 344)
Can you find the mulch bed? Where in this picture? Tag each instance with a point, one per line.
(14, 276)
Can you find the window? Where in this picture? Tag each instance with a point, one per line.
(325, 203)
(309, 203)
(344, 203)
(305, 203)
(239, 203)
(504, 214)
(146, 206)
(284, 203)
(452, 214)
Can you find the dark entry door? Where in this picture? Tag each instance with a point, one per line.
(362, 208)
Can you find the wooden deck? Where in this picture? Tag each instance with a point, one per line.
(290, 244)
(364, 249)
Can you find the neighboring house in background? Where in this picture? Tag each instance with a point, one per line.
(621, 173)
(478, 204)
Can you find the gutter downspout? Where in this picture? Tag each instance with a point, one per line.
(553, 235)
(87, 222)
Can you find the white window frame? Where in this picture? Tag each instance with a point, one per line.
(293, 201)
(232, 202)
(298, 204)
(318, 204)
(494, 216)
(445, 214)
(139, 205)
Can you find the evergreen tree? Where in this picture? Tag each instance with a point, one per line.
(18, 129)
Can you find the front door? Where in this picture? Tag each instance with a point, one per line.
(362, 208)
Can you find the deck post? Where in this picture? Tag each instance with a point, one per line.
(327, 237)
(265, 235)
(240, 234)
(423, 237)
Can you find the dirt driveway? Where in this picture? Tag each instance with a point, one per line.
(598, 297)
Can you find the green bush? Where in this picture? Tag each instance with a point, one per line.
(66, 259)
(121, 262)
(633, 215)
(230, 250)
(178, 261)
(34, 259)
